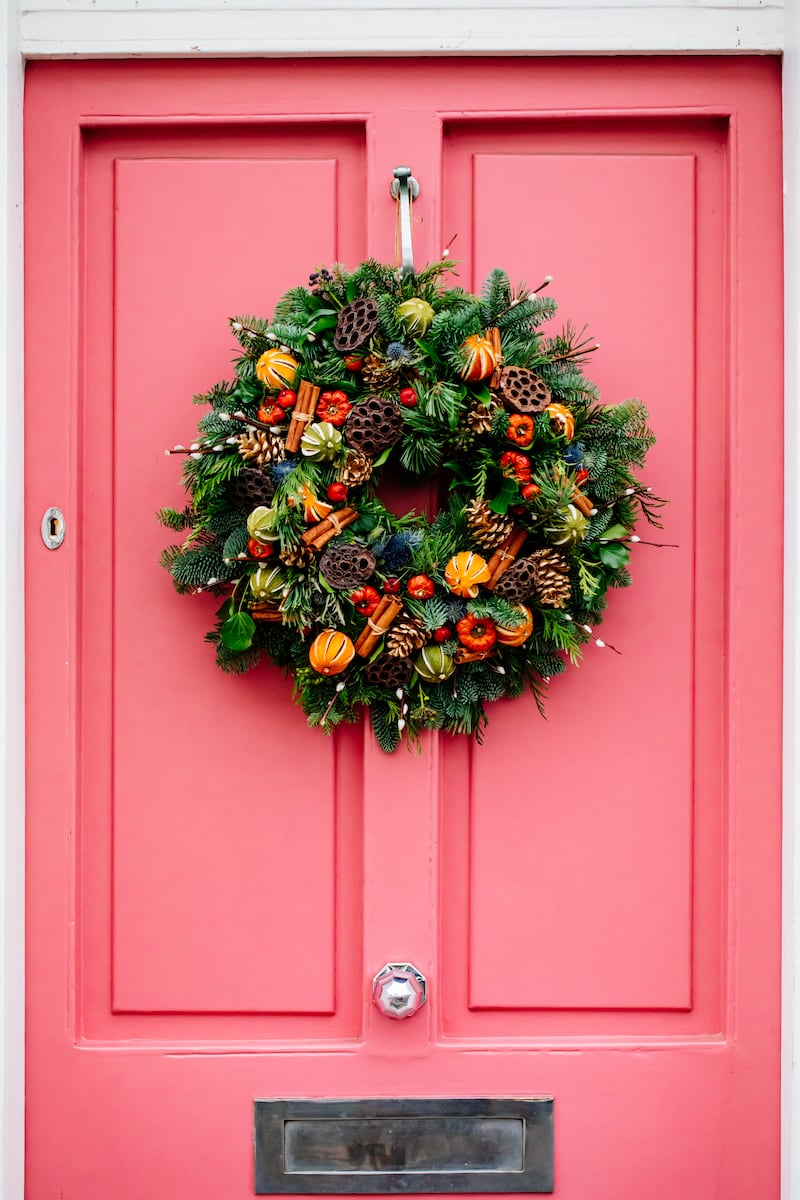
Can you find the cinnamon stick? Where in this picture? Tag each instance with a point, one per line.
(376, 626)
(504, 555)
(302, 414)
(320, 534)
(582, 503)
(463, 655)
(265, 612)
(493, 335)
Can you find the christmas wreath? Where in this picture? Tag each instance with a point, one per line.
(422, 621)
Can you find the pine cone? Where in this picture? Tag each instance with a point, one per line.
(390, 672)
(356, 324)
(488, 528)
(480, 416)
(518, 583)
(524, 391)
(261, 446)
(552, 577)
(357, 469)
(250, 489)
(380, 373)
(374, 424)
(298, 555)
(405, 635)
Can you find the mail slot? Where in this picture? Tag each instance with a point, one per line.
(425, 1145)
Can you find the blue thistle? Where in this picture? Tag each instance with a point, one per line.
(573, 455)
(397, 551)
(280, 470)
(397, 352)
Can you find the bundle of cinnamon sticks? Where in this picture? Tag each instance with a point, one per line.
(504, 555)
(493, 335)
(302, 414)
(318, 536)
(377, 625)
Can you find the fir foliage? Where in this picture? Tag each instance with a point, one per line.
(446, 433)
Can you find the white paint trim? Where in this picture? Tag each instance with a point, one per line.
(12, 683)
(790, 1079)
(116, 28)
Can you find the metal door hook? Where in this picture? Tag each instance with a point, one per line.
(405, 188)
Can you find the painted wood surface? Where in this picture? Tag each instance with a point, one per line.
(211, 885)
(192, 27)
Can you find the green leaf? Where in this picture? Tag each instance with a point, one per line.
(614, 555)
(225, 610)
(237, 632)
(508, 495)
(614, 532)
(323, 323)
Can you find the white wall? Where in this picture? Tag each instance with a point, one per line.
(116, 28)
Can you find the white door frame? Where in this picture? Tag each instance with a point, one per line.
(83, 28)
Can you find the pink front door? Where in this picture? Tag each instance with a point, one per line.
(594, 899)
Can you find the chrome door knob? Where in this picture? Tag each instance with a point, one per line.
(399, 990)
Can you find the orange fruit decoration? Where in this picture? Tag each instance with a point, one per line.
(465, 572)
(479, 357)
(516, 635)
(562, 419)
(331, 651)
(276, 368)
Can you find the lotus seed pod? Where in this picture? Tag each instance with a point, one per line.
(322, 442)
(416, 316)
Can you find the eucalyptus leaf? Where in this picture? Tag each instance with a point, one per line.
(237, 632)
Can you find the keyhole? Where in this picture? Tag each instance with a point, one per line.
(53, 528)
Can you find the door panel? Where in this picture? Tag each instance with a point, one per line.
(604, 857)
(594, 898)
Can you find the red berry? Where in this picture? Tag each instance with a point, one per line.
(408, 397)
(391, 586)
(286, 398)
(353, 362)
(529, 491)
(442, 634)
(258, 550)
(582, 476)
(337, 492)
